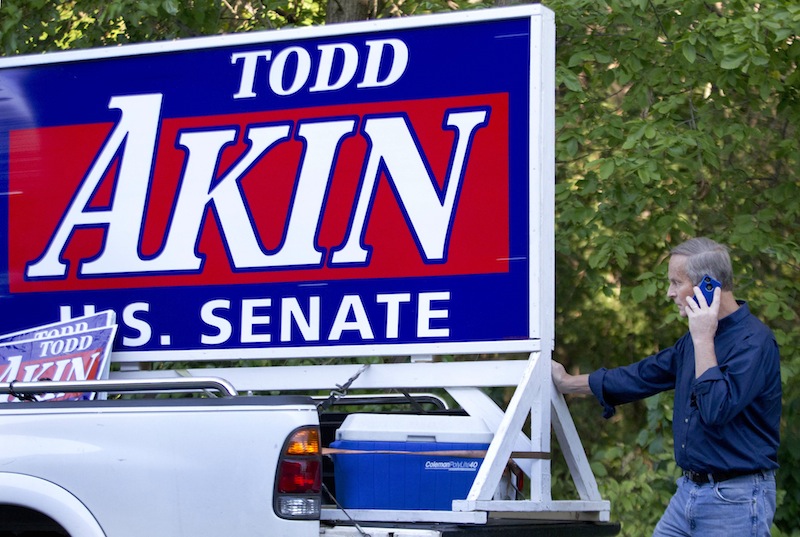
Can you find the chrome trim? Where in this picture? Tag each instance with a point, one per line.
(220, 385)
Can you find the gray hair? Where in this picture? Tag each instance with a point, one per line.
(705, 256)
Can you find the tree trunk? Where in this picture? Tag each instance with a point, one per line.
(351, 10)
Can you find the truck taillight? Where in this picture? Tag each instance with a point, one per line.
(298, 483)
(299, 476)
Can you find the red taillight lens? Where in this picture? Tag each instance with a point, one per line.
(298, 483)
(299, 476)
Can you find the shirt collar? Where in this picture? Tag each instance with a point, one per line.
(735, 317)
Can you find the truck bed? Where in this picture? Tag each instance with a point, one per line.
(493, 528)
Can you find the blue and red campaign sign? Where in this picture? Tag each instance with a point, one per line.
(73, 350)
(370, 188)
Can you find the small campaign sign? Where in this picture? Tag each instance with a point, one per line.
(66, 328)
(358, 189)
(74, 350)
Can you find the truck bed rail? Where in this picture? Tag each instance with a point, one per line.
(23, 389)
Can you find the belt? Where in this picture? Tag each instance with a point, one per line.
(701, 478)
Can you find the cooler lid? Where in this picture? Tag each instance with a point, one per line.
(412, 428)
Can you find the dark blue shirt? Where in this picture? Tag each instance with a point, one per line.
(729, 418)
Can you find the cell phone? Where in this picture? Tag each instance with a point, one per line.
(707, 286)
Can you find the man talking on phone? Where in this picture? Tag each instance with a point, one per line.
(726, 420)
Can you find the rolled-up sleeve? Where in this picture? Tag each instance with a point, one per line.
(722, 392)
(633, 382)
(596, 385)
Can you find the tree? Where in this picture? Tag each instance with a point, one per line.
(32, 26)
(674, 119)
(360, 10)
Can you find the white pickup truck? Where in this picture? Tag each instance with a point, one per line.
(190, 466)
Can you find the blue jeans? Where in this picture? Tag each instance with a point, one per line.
(739, 507)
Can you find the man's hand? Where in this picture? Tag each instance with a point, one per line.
(559, 375)
(703, 318)
(566, 383)
(703, 321)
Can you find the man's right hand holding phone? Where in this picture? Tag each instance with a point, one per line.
(703, 320)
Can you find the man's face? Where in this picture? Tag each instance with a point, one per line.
(681, 287)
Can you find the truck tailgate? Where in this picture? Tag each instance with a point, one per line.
(182, 467)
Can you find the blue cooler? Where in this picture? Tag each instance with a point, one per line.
(380, 480)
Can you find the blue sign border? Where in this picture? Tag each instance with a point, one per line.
(508, 50)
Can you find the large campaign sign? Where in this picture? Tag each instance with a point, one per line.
(369, 188)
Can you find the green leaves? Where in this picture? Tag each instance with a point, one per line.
(37, 25)
(568, 78)
(613, 249)
(674, 119)
(689, 52)
(733, 60)
(607, 169)
(689, 130)
(172, 7)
